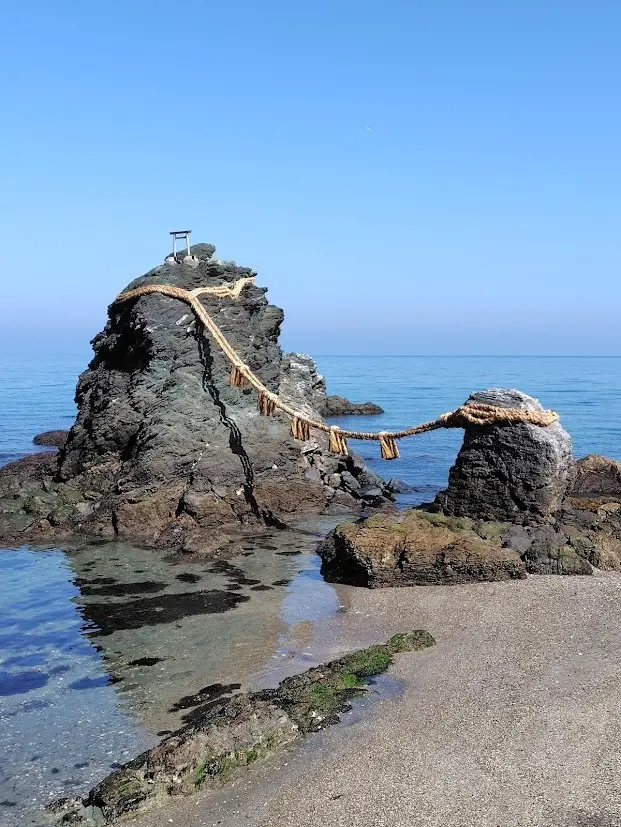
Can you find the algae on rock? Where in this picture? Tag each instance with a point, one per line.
(235, 734)
(418, 548)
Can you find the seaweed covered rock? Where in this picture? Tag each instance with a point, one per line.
(417, 548)
(513, 472)
(164, 450)
(229, 736)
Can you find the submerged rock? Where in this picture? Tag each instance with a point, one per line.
(164, 451)
(518, 473)
(233, 734)
(339, 406)
(416, 549)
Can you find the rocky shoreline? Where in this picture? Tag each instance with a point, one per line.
(167, 453)
(225, 737)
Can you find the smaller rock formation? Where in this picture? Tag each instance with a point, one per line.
(339, 406)
(506, 511)
(51, 439)
(417, 549)
(398, 486)
(517, 473)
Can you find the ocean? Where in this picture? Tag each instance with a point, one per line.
(75, 671)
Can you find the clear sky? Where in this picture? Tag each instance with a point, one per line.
(407, 177)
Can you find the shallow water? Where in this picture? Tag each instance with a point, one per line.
(103, 647)
(106, 648)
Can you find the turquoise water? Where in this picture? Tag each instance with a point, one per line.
(95, 653)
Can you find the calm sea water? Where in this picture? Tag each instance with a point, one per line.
(99, 644)
(414, 389)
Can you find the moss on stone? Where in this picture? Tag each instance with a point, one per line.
(490, 530)
(459, 523)
(237, 734)
(431, 517)
(410, 641)
(129, 788)
(351, 681)
(220, 766)
(69, 496)
(368, 662)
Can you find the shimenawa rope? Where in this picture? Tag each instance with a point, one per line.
(472, 413)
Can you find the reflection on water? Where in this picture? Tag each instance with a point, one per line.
(62, 725)
(106, 647)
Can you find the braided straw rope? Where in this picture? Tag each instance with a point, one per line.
(472, 413)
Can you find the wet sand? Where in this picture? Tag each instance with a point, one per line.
(512, 719)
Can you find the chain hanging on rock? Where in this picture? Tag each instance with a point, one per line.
(338, 443)
(300, 429)
(388, 446)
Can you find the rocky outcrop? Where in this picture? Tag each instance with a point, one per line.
(518, 472)
(506, 512)
(227, 736)
(417, 549)
(421, 547)
(339, 406)
(164, 451)
(596, 476)
(51, 439)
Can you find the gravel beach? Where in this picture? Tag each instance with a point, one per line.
(513, 718)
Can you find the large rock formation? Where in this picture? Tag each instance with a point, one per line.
(517, 473)
(164, 450)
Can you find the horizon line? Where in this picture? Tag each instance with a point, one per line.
(469, 355)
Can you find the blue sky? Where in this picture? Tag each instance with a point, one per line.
(407, 177)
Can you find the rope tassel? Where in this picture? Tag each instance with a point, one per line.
(237, 378)
(267, 406)
(338, 443)
(388, 446)
(300, 429)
